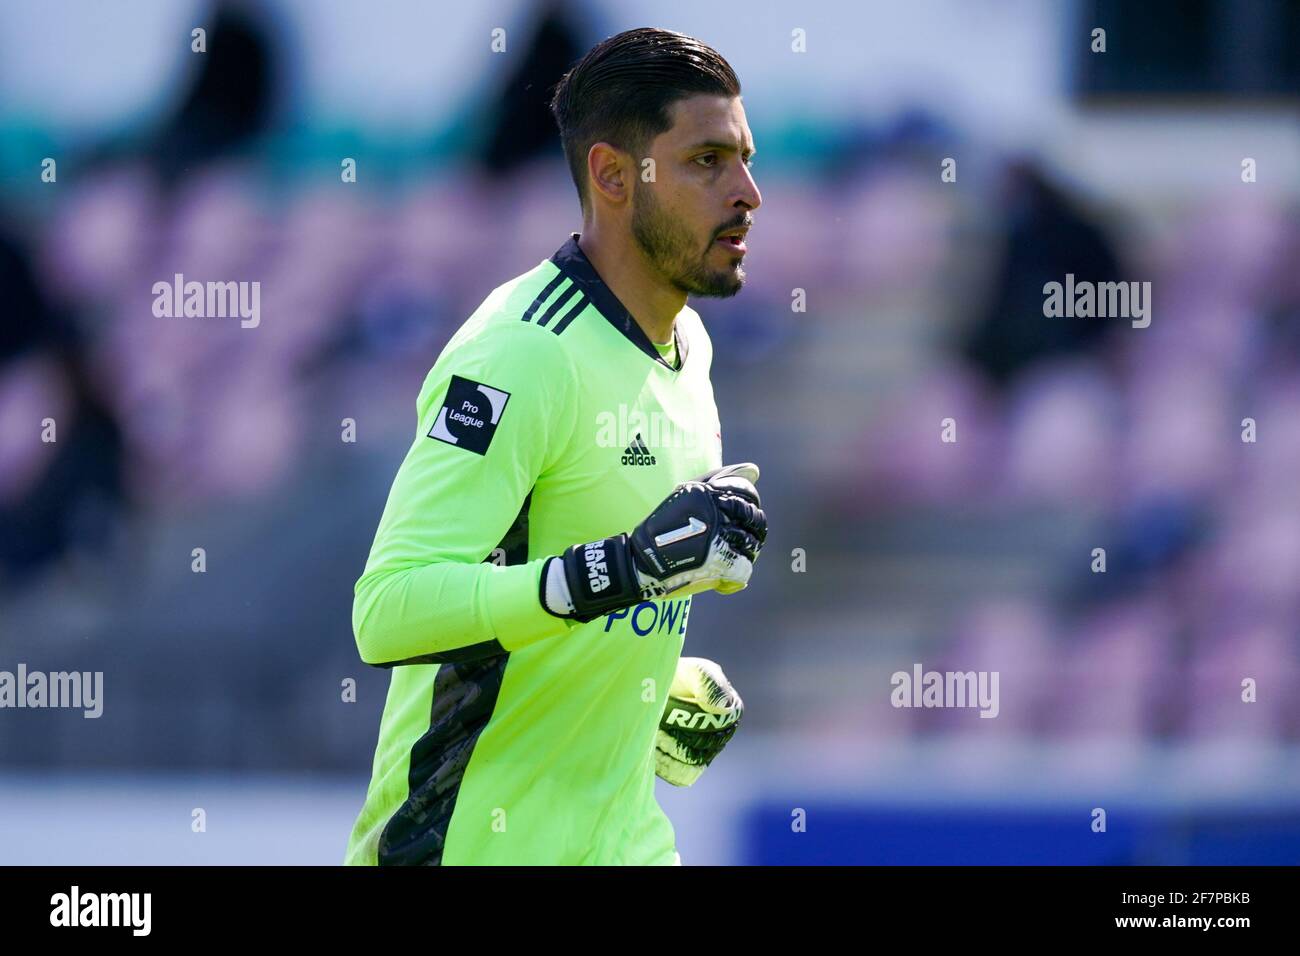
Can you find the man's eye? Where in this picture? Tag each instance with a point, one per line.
(749, 162)
(709, 156)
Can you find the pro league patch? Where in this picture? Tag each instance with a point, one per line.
(469, 415)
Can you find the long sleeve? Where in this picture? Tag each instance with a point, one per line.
(493, 416)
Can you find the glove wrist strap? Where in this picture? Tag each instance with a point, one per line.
(601, 577)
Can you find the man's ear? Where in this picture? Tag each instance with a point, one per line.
(608, 170)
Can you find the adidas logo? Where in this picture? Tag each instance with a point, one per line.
(638, 453)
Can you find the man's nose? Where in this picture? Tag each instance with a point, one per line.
(747, 190)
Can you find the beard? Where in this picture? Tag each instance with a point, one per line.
(675, 253)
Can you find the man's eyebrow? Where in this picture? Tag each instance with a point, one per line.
(719, 144)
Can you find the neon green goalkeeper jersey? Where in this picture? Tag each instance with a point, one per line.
(511, 736)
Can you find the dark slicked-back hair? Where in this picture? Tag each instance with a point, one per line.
(621, 92)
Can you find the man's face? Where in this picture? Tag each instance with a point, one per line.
(702, 189)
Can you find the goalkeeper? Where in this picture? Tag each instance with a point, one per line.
(565, 498)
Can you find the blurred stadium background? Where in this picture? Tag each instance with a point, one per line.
(1119, 690)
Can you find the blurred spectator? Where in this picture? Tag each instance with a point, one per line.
(1047, 235)
(53, 496)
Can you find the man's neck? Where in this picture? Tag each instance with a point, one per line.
(623, 268)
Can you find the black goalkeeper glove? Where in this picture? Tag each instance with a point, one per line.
(705, 536)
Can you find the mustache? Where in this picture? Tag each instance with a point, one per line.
(746, 222)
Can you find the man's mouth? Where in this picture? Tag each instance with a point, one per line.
(734, 240)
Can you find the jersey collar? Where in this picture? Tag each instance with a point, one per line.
(573, 262)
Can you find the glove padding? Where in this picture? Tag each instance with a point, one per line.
(702, 715)
(726, 563)
(704, 536)
(737, 480)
